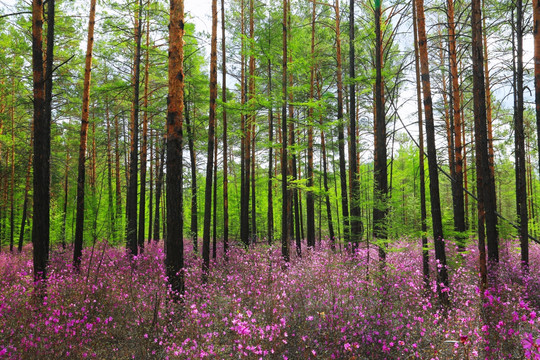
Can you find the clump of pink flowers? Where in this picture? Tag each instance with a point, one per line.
(322, 305)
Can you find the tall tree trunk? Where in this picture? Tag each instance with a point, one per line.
(244, 168)
(536, 34)
(193, 163)
(356, 222)
(380, 157)
(109, 169)
(144, 146)
(250, 138)
(485, 180)
(64, 211)
(151, 195)
(42, 135)
(284, 173)
(521, 176)
(440, 252)
(131, 202)
(341, 134)
(489, 117)
(214, 197)
(79, 224)
(310, 202)
(423, 211)
(174, 258)
(159, 185)
(26, 191)
(270, 233)
(225, 149)
(211, 139)
(325, 177)
(459, 209)
(119, 213)
(12, 186)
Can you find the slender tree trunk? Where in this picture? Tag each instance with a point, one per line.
(380, 157)
(536, 34)
(79, 224)
(440, 252)
(270, 234)
(131, 202)
(356, 222)
(423, 211)
(211, 139)
(109, 169)
(193, 162)
(159, 185)
(325, 177)
(341, 134)
(144, 146)
(459, 209)
(42, 135)
(26, 192)
(244, 168)
(485, 180)
(284, 209)
(151, 195)
(225, 149)
(251, 123)
(174, 258)
(310, 201)
(12, 187)
(66, 188)
(214, 211)
(489, 117)
(118, 215)
(521, 176)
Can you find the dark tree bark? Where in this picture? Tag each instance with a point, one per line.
(214, 198)
(210, 153)
(109, 170)
(380, 192)
(12, 185)
(144, 145)
(118, 215)
(284, 173)
(484, 176)
(159, 185)
(536, 34)
(250, 138)
(341, 134)
(42, 135)
(26, 191)
(521, 176)
(356, 222)
(310, 201)
(270, 233)
(244, 143)
(457, 184)
(193, 163)
(174, 257)
(423, 211)
(79, 224)
(440, 252)
(131, 202)
(225, 149)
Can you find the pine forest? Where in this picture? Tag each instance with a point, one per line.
(257, 179)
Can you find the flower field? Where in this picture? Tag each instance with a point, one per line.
(323, 305)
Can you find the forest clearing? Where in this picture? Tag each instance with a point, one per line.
(310, 179)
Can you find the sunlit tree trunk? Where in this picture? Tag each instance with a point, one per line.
(79, 224)
(174, 257)
(440, 252)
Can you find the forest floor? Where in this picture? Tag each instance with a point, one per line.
(323, 305)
